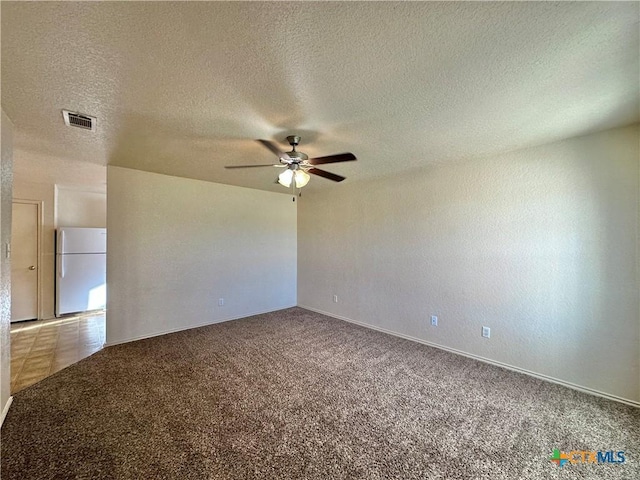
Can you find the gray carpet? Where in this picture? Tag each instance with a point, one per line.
(297, 395)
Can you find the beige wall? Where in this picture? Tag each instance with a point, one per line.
(6, 170)
(541, 245)
(77, 207)
(177, 245)
(43, 193)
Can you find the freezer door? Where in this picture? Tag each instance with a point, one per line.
(81, 283)
(81, 240)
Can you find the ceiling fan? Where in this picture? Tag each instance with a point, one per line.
(298, 165)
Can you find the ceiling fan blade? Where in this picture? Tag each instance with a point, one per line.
(274, 149)
(340, 157)
(325, 174)
(253, 166)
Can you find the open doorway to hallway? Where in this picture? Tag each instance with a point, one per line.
(42, 347)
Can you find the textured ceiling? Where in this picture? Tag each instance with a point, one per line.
(182, 88)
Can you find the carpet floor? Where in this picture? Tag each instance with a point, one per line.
(298, 395)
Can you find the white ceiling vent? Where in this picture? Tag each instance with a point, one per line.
(75, 119)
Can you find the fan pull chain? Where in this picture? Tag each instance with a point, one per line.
(299, 194)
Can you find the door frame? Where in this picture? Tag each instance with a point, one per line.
(39, 228)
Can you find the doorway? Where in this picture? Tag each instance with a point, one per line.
(25, 260)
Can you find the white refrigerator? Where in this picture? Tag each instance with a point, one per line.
(81, 270)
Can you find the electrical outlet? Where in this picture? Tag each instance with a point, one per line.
(486, 332)
(434, 320)
(221, 302)
(335, 299)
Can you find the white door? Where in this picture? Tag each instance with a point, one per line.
(24, 261)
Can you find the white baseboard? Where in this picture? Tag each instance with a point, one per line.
(189, 327)
(541, 376)
(5, 410)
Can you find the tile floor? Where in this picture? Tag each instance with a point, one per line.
(41, 348)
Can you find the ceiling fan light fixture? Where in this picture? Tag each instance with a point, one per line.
(302, 178)
(298, 165)
(285, 178)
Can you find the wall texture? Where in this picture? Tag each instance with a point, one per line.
(76, 207)
(43, 193)
(541, 245)
(6, 181)
(175, 246)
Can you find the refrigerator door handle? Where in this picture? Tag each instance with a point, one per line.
(61, 249)
(61, 265)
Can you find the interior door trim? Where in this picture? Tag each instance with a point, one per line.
(39, 228)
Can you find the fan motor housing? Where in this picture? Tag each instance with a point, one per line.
(295, 155)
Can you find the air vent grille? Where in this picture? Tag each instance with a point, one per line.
(74, 119)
